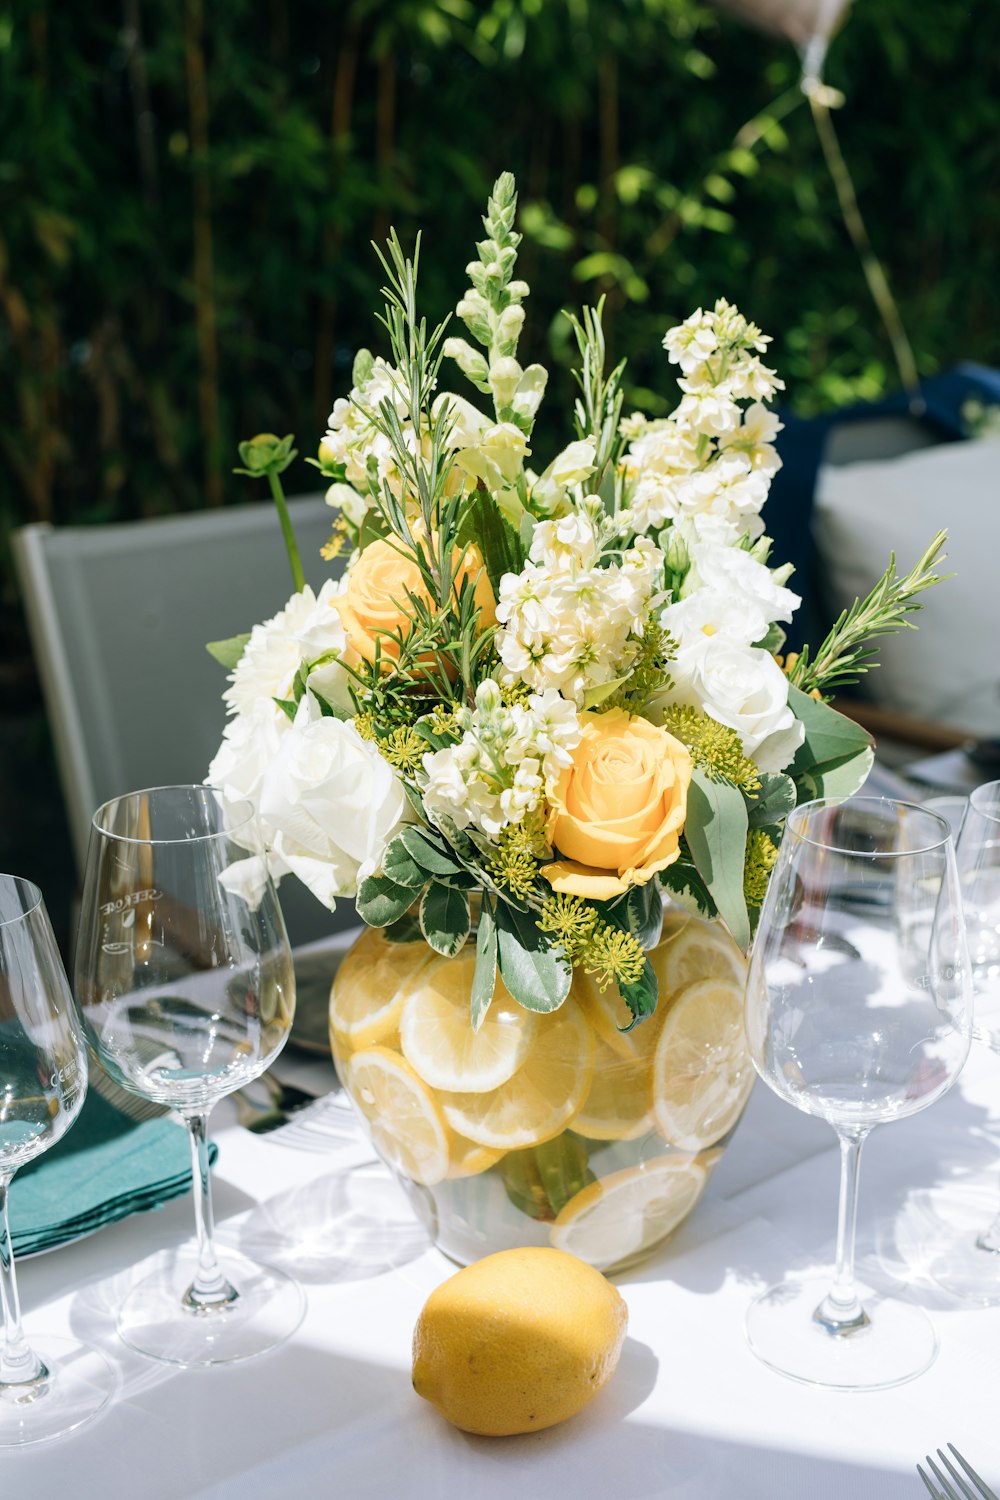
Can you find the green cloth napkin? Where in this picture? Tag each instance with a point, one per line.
(105, 1168)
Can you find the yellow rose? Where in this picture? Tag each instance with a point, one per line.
(376, 599)
(618, 811)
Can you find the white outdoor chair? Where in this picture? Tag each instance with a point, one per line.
(119, 617)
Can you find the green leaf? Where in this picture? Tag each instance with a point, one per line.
(380, 901)
(837, 778)
(773, 640)
(684, 882)
(429, 855)
(716, 832)
(592, 696)
(361, 371)
(537, 974)
(829, 736)
(406, 930)
(495, 537)
(644, 907)
(641, 997)
(444, 918)
(484, 980)
(228, 652)
(399, 866)
(288, 706)
(774, 801)
(332, 710)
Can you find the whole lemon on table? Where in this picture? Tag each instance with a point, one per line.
(518, 1341)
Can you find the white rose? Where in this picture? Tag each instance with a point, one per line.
(250, 743)
(329, 804)
(744, 688)
(732, 571)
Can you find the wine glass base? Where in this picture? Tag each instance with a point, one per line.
(154, 1319)
(80, 1385)
(898, 1344)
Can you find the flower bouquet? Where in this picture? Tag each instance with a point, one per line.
(540, 731)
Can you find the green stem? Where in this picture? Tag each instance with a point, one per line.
(291, 546)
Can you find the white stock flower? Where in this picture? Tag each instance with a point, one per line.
(755, 437)
(329, 804)
(344, 497)
(692, 342)
(744, 688)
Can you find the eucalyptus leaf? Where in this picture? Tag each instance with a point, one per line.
(484, 980)
(229, 652)
(837, 778)
(537, 974)
(445, 919)
(716, 831)
(829, 736)
(380, 901)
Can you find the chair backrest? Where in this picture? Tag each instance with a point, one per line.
(119, 617)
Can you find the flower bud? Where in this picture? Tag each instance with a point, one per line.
(469, 360)
(504, 377)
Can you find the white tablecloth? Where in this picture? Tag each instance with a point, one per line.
(690, 1412)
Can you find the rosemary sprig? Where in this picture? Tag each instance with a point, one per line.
(849, 650)
(598, 408)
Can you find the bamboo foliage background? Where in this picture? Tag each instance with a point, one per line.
(188, 192)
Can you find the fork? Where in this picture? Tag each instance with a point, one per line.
(960, 1489)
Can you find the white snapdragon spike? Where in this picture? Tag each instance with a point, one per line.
(744, 688)
(466, 422)
(329, 804)
(550, 492)
(505, 762)
(570, 624)
(308, 627)
(497, 456)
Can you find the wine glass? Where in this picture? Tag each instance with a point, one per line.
(43, 1080)
(858, 1011)
(185, 984)
(958, 1258)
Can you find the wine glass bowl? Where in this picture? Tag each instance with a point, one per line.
(56, 1387)
(857, 1012)
(185, 984)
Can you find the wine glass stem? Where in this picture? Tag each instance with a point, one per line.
(19, 1364)
(210, 1289)
(841, 1312)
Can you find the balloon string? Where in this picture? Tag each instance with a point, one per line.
(876, 278)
